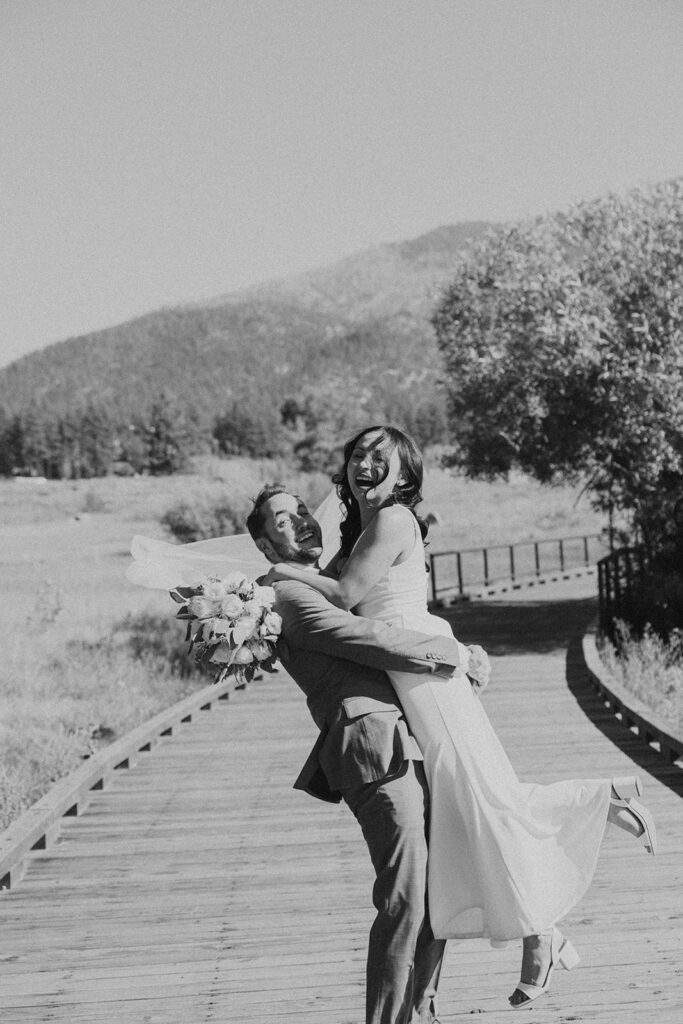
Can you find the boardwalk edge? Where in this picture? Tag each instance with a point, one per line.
(38, 827)
(633, 714)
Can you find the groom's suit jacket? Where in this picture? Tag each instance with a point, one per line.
(340, 660)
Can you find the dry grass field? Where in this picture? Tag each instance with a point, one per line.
(86, 655)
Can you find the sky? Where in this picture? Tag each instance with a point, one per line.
(162, 151)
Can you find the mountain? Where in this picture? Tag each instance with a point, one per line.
(357, 320)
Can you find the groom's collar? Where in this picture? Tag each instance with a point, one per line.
(303, 565)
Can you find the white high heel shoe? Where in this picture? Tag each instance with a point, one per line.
(562, 953)
(626, 789)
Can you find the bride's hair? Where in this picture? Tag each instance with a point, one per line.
(408, 493)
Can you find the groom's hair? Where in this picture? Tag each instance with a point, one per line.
(256, 520)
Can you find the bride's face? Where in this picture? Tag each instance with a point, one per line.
(373, 471)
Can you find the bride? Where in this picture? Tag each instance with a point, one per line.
(507, 859)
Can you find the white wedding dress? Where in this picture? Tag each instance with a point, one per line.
(506, 858)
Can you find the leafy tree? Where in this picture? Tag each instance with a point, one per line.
(6, 461)
(97, 441)
(250, 428)
(562, 340)
(166, 438)
(28, 443)
(321, 418)
(423, 416)
(132, 444)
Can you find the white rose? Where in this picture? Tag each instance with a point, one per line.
(231, 606)
(200, 607)
(233, 581)
(272, 624)
(264, 595)
(252, 608)
(260, 649)
(214, 590)
(244, 628)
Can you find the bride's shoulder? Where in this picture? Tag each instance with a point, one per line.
(396, 517)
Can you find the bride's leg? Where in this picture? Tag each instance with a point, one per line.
(535, 961)
(541, 953)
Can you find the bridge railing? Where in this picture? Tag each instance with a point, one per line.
(457, 573)
(38, 827)
(622, 574)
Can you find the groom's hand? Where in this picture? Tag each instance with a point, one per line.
(479, 668)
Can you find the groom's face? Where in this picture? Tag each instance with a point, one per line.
(290, 533)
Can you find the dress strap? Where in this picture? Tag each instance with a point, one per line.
(417, 537)
(416, 528)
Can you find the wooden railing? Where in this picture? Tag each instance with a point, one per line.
(37, 827)
(633, 713)
(621, 577)
(458, 573)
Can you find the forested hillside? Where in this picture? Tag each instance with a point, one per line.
(286, 365)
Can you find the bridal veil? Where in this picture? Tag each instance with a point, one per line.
(159, 565)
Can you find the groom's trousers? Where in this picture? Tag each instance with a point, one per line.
(404, 958)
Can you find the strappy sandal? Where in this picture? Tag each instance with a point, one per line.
(625, 790)
(562, 954)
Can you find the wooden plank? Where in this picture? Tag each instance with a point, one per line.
(199, 887)
(38, 826)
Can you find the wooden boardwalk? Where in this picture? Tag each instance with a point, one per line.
(200, 888)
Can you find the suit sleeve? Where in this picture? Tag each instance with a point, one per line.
(312, 623)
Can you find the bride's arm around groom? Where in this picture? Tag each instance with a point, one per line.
(310, 623)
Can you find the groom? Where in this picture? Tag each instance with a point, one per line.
(364, 754)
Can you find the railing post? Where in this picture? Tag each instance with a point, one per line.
(629, 585)
(641, 571)
(617, 590)
(512, 562)
(486, 566)
(459, 563)
(561, 544)
(585, 551)
(537, 558)
(432, 573)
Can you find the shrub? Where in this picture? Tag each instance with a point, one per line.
(160, 640)
(656, 605)
(93, 502)
(649, 667)
(204, 518)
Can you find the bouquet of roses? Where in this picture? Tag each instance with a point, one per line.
(230, 624)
